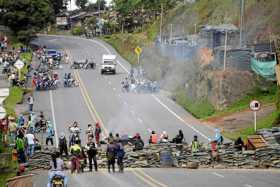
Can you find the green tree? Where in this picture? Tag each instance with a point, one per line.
(81, 4)
(26, 17)
(57, 6)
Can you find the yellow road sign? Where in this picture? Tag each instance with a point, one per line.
(138, 50)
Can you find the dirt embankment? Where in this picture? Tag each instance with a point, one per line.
(238, 120)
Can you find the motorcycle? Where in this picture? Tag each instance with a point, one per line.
(69, 83)
(83, 65)
(125, 86)
(57, 181)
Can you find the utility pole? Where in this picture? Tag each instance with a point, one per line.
(99, 9)
(242, 5)
(171, 27)
(225, 50)
(160, 29)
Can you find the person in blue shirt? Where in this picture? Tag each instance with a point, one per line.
(50, 133)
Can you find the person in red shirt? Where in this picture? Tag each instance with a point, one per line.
(97, 133)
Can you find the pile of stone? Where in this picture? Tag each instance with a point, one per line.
(271, 136)
(180, 156)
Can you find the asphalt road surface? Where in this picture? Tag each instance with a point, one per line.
(100, 98)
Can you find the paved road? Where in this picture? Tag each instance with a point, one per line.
(172, 178)
(118, 111)
(100, 98)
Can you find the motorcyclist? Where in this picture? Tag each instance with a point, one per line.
(56, 168)
(125, 84)
(65, 80)
(91, 152)
(75, 151)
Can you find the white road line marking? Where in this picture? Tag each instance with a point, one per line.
(248, 185)
(219, 175)
(178, 117)
(119, 95)
(53, 117)
(132, 112)
(125, 103)
(114, 89)
(140, 120)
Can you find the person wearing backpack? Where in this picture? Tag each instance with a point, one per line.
(120, 155)
(111, 156)
(20, 149)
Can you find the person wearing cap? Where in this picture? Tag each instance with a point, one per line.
(62, 144)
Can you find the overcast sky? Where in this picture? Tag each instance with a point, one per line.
(73, 5)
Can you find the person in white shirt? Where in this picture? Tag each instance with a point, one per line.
(31, 144)
(30, 100)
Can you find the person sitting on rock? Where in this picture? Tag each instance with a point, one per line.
(195, 144)
(239, 144)
(153, 138)
(138, 142)
(179, 138)
(164, 137)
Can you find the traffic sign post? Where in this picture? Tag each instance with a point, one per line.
(138, 51)
(255, 106)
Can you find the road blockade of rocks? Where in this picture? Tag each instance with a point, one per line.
(180, 156)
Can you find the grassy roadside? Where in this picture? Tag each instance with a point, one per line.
(26, 57)
(202, 109)
(265, 98)
(198, 109)
(16, 96)
(266, 122)
(126, 43)
(9, 169)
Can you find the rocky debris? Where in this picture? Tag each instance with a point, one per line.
(181, 157)
(271, 136)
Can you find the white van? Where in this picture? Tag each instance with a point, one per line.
(108, 64)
